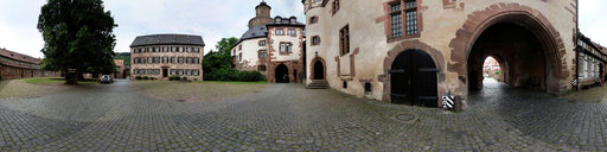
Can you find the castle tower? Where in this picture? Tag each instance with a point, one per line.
(262, 15)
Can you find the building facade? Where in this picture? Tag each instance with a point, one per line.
(591, 70)
(121, 69)
(14, 65)
(164, 55)
(417, 51)
(272, 46)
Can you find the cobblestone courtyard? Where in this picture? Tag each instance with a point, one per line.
(287, 117)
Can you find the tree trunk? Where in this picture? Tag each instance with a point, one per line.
(71, 78)
(80, 76)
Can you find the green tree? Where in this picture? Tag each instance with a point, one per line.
(78, 37)
(217, 62)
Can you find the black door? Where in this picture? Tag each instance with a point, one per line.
(413, 79)
(319, 71)
(281, 74)
(165, 73)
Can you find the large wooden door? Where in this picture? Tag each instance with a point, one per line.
(413, 79)
(319, 71)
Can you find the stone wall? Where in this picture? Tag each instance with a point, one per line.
(448, 29)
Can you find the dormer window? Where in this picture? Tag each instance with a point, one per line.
(293, 20)
(278, 20)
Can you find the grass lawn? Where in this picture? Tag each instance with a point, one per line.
(56, 80)
(28, 87)
(199, 91)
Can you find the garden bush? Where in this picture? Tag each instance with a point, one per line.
(146, 78)
(138, 78)
(174, 78)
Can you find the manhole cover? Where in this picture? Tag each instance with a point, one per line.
(180, 100)
(405, 117)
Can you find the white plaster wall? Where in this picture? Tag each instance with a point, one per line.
(296, 40)
(439, 28)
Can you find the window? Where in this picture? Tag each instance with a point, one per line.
(397, 24)
(156, 59)
(280, 32)
(165, 49)
(262, 43)
(173, 61)
(313, 19)
(335, 6)
(404, 11)
(195, 72)
(291, 32)
(317, 1)
(261, 68)
(173, 72)
(367, 87)
(150, 60)
(188, 72)
(173, 49)
(165, 59)
(285, 47)
(344, 40)
(278, 20)
(180, 49)
(239, 56)
(189, 49)
(188, 60)
(263, 54)
(411, 16)
(345, 85)
(156, 50)
(315, 40)
(180, 60)
(196, 50)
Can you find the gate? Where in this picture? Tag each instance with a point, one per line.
(413, 79)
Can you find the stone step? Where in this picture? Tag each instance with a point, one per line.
(318, 84)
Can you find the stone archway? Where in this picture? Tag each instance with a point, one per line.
(413, 79)
(281, 74)
(511, 13)
(318, 69)
(436, 56)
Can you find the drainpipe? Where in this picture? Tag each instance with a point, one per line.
(577, 51)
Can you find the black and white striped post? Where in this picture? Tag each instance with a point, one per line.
(448, 102)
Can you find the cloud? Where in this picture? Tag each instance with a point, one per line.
(212, 19)
(592, 20)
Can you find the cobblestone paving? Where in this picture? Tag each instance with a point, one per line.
(291, 118)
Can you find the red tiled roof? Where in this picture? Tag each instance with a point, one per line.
(34, 63)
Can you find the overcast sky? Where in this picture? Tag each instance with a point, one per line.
(212, 19)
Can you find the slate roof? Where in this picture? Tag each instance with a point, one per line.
(286, 21)
(256, 32)
(259, 31)
(18, 56)
(168, 39)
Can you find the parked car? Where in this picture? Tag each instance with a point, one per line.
(106, 79)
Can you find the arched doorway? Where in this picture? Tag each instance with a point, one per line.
(413, 79)
(516, 45)
(319, 70)
(281, 74)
